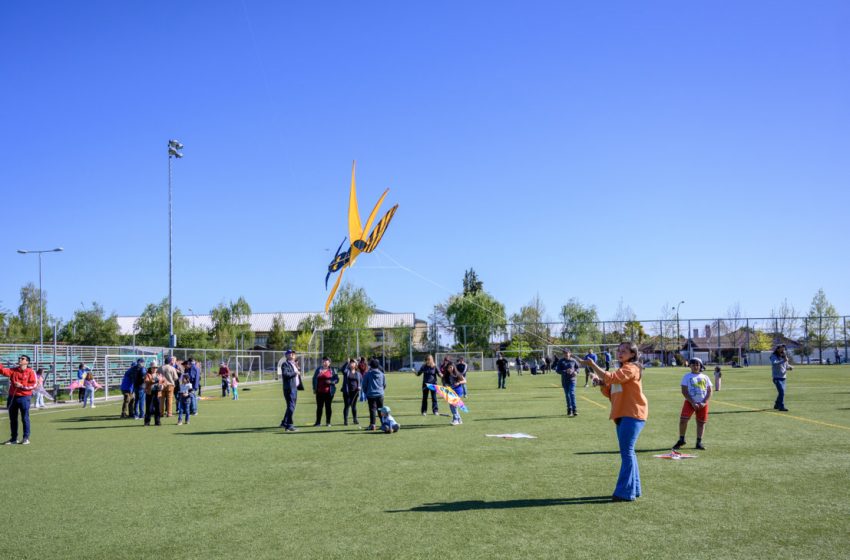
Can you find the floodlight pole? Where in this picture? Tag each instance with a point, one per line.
(40, 291)
(173, 152)
(678, 333)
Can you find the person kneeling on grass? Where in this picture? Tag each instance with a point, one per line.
(388, 423)
(696, 388)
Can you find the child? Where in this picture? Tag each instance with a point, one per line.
(89, 386)
(39, 388)
(717, 376)
(184, 399)
(457, 382)
(234, 385)
(388, 423)
(696, 388)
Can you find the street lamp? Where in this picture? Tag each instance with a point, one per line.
(174, 148)
(40, 292)
(678, 334)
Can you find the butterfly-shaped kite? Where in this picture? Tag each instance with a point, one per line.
(360, 242)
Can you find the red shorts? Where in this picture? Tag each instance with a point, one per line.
(688, 411)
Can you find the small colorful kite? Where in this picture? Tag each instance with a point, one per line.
(78, 384)
(675, 456)
(360, 241)
(449, 395)
(40, 390)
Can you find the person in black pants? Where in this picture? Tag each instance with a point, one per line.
(374, 384)
(291, 377)
(429, 374)
(154, 383)
(324, 385)
(350, 391)
(502, 367)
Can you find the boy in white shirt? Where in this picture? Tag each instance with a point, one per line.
(696, 388)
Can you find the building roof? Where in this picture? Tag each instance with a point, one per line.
(262, 322)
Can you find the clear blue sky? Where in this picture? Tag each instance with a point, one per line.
(646, 151)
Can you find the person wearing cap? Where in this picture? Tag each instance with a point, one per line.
(195, 379)
(128, 386)
(696, 388)
(22, 381)
(291, 377)
(172, 377)
(780, 366)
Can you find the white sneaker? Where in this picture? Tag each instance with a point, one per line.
(25, 442)
(455, 423)
(92, 406)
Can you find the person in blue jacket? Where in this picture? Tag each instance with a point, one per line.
(128, 385)
(374, 384)
(195, 379)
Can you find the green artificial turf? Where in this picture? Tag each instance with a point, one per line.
(233, 485)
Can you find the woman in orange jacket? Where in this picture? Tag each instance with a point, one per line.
(629, 411)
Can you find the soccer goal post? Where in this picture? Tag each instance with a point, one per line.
(474, 360)
(245, 364)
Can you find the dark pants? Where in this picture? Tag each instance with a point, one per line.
(22, 404)
(350, 403)
(154, 409)
(225, 387)
(374, 404)
(323, 400)
(503, 379)
(434, 408)
(291, 396)
(127, 405)
(81, 395)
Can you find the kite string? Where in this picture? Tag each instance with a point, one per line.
(488, 311)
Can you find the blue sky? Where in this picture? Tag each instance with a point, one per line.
(648, 152)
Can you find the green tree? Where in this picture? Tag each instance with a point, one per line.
(579, 323)
(349, 320)
(398, 345)
(23, 326)
(231, 324)
(471, 283)
(821, 323)
(633, 331)
(278, 338)
(152, 325)
(475, 315)
(90, 327)
(306, 339)
(531, 330)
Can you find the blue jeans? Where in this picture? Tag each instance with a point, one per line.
(89, 397)
(193, 405)
(569, 385)
(628, 483)
(139, 407)
(22, 404)
(183, 406)
(291, 397)
(780, 389)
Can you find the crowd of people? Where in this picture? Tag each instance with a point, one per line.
(149, 393)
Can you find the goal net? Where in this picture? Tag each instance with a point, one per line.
(245, 365)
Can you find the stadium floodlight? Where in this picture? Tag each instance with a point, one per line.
(173, 147)
(40, 292)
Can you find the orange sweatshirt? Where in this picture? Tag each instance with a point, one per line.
(624, 390)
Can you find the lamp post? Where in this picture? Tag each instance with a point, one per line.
(40, 292)
(174, 148)
(678, 333)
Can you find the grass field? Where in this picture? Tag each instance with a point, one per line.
(234, 485)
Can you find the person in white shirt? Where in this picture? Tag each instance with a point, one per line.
(696, 388)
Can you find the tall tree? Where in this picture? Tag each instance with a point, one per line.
(152, 325)
(23, 326)
(90, 327)
(785, 320)
(349, 321)
(821, 323)
(530, 325)
(471, 284)
(231, 324)
(579, 323)
(474, 315)
(278, 338)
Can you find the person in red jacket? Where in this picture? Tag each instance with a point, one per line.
(21, 384)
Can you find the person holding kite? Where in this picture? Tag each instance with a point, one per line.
(457, 382)
(629, 411)
(429, 374)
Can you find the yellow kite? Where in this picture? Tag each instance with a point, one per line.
(360, 242)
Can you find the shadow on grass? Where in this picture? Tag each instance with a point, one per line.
(404, 427)
(101, 427)
(618, 452)
(471, 505)
(713, 412)
(521, 417)
(94, 419)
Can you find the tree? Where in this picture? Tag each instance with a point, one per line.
(784, 320)
(471, 284)
(278, 338)
(821, 323)
(152, 325)
(760, 341)
(531, 329)
(349, 320)
(633, 331)
(232, 324)
(625, 326)
(305, 337)
(579, 323)
(734, 326)
(23, 326)
(89, 327)
(475, 317)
